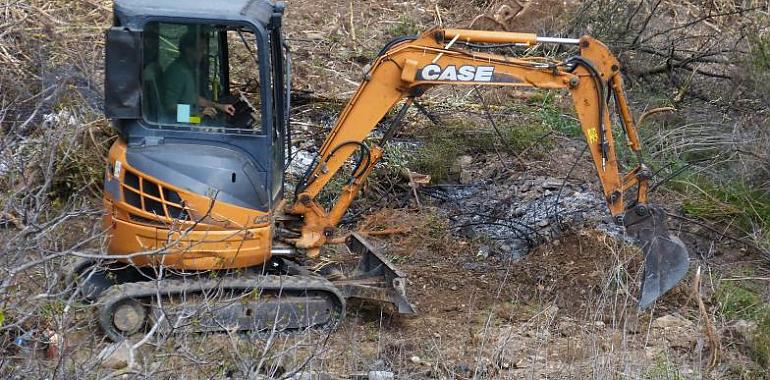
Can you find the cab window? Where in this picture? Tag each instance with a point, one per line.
(187, 81)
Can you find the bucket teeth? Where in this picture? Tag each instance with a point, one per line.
(666, 259)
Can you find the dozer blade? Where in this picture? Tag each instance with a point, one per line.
(665, 256)
(376, 278)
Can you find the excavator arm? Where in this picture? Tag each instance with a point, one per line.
(406, 68)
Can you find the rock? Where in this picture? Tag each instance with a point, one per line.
(677, 330)
(568, 328)
(671, 322)
(311, 375)
(377, 365)
(686, 340)
(415, 359)
(462, 368)
(117, 356)
(744, 329)
(552, 184)
(472, 266)
(381, 375)
(464, 161)
(632, 325)
(462, 170)
(483, 252)
(313, 35)
(543, 223)
(653, 352)
(469, 232)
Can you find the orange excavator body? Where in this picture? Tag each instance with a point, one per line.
(217, 235)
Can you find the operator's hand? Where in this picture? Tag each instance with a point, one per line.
(226, 108)
(209, 111)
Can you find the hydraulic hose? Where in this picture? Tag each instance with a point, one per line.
(358, 169)
(600, 94)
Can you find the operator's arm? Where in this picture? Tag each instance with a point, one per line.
(179, 89)
(207, 105)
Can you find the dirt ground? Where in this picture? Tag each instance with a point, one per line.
(567, 310)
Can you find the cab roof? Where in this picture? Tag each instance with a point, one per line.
(134, 13)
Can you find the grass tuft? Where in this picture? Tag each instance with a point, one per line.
(444, 144)
(760, 344)
(663, 370)
(553, 117)
(733, 202)
(738, 302)
(406, 26)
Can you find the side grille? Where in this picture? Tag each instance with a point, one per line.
(151, 197)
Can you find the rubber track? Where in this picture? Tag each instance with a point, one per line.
(289, 285)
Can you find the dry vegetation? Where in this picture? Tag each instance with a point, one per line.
(565, 311)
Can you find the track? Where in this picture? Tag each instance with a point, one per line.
(261, 303)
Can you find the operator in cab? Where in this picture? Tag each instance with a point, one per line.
(182, 87)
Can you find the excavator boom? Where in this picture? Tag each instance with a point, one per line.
(407, 67)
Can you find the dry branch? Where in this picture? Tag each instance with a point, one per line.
(714, 342)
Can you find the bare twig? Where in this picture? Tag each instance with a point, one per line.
(714, 342)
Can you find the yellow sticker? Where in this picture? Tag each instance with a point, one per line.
(593, 136)
(195, 119)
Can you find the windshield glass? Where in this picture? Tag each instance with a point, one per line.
(187, 78)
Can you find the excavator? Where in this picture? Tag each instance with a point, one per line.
(202, 235)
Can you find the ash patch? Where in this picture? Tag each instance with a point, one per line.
(300, 162)
(518, 216)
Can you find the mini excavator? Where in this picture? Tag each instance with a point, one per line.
(201, 234)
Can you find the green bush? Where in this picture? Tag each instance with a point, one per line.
(738, 302)
(443, 145)
(436, 156)
(553, 118)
